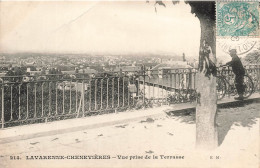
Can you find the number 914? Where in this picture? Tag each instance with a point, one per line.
(15, 157)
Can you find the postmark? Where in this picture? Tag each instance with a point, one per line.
(237, 19)
(243, 45)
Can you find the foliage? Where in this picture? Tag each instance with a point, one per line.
(252, 57)
(17, 71)
(54, 71)
(199, 8)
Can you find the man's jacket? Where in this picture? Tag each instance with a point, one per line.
(236, 65)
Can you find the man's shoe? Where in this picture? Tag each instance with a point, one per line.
(239, 98)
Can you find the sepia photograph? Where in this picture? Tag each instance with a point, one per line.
(129, 83)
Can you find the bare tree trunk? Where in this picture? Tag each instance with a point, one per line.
(206, 110)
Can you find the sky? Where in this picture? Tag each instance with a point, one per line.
(98, 27)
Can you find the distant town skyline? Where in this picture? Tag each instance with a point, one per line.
(99, 27)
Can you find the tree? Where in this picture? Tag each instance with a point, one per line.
(253, 57)
(206, 110)
(15, 75)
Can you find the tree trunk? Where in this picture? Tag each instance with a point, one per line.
(206, 110)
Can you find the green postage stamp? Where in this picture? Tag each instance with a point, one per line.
(239, 18)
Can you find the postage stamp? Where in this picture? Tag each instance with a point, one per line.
(237, 19)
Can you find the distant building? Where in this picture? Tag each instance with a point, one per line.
(87, 70)
(2, 74)
(2, 58)
(72, 86)
(172, 65)
(30, 63)
(33, 73)
(162, 74)
(68, 72)
(127, 68)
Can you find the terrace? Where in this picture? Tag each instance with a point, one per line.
(46, 98)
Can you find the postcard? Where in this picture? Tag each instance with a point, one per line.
(145, 83)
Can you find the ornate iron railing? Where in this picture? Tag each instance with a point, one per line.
(43, 98)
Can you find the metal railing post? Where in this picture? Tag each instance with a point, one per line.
(113, 91)
(101, 94)
(144, 87)
(95, 95)
(3, 109)
(83, 98)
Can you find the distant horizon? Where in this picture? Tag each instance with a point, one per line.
(92, 54)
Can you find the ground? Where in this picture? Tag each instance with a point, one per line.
(172, 135)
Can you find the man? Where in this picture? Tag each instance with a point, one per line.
(239, 71)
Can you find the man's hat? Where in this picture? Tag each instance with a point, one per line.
(233, 50)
